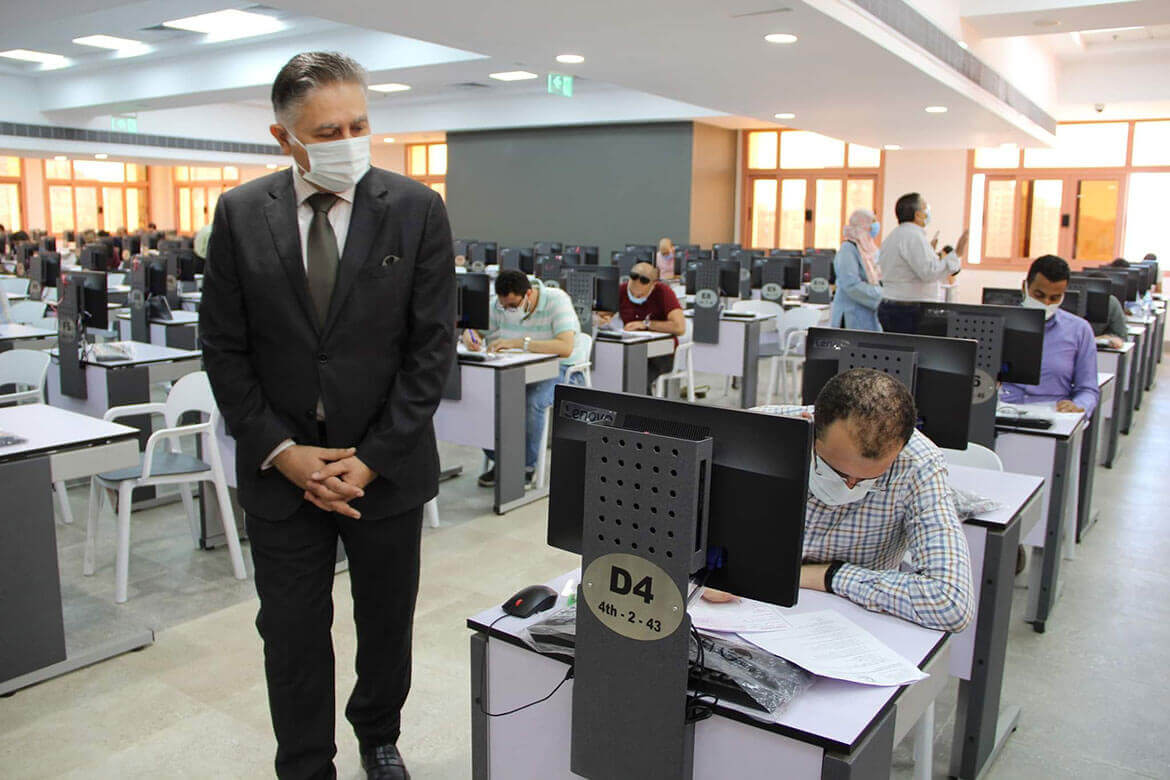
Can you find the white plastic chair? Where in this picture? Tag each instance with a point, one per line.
(18, 285)
(28, 368)
(682, 368)
(47, 323)
(583, 369)
(27, 312)
(793, 329)
(161, 464)
(976, 456)
(770, 343)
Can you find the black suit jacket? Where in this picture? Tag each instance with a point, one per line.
(379, 362)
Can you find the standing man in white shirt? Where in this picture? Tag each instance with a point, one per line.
(911, 270)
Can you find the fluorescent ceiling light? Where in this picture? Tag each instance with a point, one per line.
(785, 115)
(227, 25)
(100, 156)
(935, 109)
(1112, 29)
(61, 158)
(513, 75)
(780, 38)
(390, 86)
(387, 140)
(43, 57)
(892, 148)
(570, 59)
(109, 42)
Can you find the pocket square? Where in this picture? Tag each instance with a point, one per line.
(389, 260)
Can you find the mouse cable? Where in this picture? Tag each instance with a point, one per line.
(483, 678)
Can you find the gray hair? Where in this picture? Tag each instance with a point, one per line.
(306, 72)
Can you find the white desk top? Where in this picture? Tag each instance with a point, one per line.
(191, 296)
(633, 337)
(48, 428)
(506, 359)
(143, 354)
(1126, 348)
(1103, 378)
(737, 318)
(832, 710)
(13, 297)
(1064, 424)
(178, 316)
(13, 331)
(119, 289)
(1136, 330)
(1012, 491)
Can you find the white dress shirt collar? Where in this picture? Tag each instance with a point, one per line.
(303, 189)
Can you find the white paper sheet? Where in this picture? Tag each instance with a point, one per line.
(737, 617)
(828, 644)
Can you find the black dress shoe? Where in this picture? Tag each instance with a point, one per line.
(384, 763)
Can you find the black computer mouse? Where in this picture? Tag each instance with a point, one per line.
(530, 600)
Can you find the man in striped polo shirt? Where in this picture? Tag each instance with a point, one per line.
(529, 316)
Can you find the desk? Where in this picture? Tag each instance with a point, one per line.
(1086, 514)
(491, 413)
(1053, 454)
(14, 297)
(123, 382)
(736, 354)
(621, 366)
(978, 652)
(60, 445)
(834, 729)
(1119, 410)
(16, 336)
(1153, 345)
(1139, 335)
(191, 300)
(180, 332)
(118, 293)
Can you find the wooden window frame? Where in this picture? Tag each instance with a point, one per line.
(1070, 176)
(844, 174)
(223, 184)
(22, 194)
(73, 183)
(427, 179)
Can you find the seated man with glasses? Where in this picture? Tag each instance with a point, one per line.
(647, 304)
(877, 489)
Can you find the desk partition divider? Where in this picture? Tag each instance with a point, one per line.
(644, 534)
(988, 332)
(706, 320)
(71, 340)
(139, 320)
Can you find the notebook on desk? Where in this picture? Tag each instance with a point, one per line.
(10, 439)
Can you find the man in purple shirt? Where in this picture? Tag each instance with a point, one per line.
(1068, 369)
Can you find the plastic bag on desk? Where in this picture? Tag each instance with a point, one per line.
(969, 504)
(769, 680)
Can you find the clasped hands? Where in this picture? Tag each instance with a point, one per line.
(331, 478)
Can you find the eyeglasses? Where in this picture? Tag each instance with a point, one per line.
(640, 278)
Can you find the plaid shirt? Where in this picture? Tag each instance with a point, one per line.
(909, 509)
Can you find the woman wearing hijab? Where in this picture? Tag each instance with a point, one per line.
(858, 279)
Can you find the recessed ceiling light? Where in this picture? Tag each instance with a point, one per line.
(963, 45)
(935, 109)
(780, 38)
(100, 156)
(61, 158)
(109, 42)
(387, 140)
(43, 57)
(513, 75)
(892, 148)
(1112, 29)
(785, 115)
(570, 59)
(227, 25)
(390, 87)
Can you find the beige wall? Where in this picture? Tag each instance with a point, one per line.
(35, 215)
(713, 167)
(390, 157)
(162, 196)
(941, 177)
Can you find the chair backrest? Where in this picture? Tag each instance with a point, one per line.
(115, 280)
(758, 307)
(28, 312)
(24, 367)
(588, 351)
(192, 393)
(976, 456)
(45, 323)
(17, 285)
(797, 319)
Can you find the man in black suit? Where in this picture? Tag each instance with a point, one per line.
(328, 330)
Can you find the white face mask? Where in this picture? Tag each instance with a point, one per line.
(336, 166)
(828, 486)
(1049, 308)
(516, 316)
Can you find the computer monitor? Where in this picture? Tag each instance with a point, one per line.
(93, 301)
(1023, 334)
(624, 262)
(778, 274)
(474, 301)
(43, 270)
(460, 246)
(169, 245)
(572, 258)
(24, 251)
(729, 278)
(690, 275)
(1073, 302)
(483, 252)
(1123, 274)
(939, 372)
(1003, 296)
(131, 245)
(723, 251)
(606, 284)
(156, 277)
(546, 248)
(187, 265)
(590, 255)
(1116, 284)
(151, 240)
(758, 486)
(705, 254)
(48, 244)
(1096, 291)
(548, 268)
(510, 259)
(96, 257)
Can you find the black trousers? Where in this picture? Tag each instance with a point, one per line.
(294, 562)
(898, 317)
(656, 367)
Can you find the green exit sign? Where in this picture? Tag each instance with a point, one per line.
(560, 84)
(124, 124)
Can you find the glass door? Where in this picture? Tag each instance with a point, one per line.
(793, 213)
(85, 200)
(1095, 216)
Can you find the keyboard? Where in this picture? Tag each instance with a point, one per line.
(1037, 423)
(111, 353)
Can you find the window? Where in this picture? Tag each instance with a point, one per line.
(96, 195)
(800, 187)
(197, 191)
(1069, 200)
(428, 163)
(11, 187)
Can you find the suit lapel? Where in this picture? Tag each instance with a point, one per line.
(281, 213)
(365, 224)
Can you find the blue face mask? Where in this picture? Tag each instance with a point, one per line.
(634, 299)
(875, 227)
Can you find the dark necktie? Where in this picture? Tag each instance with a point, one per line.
(322, 254)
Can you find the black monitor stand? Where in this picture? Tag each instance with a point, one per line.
(139, 316)
(818, 287)
(639, 550)
(71, 340)
(580, 287)
(987, 330)
(706, 319)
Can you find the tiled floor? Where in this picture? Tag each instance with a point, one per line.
(1093, 688)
